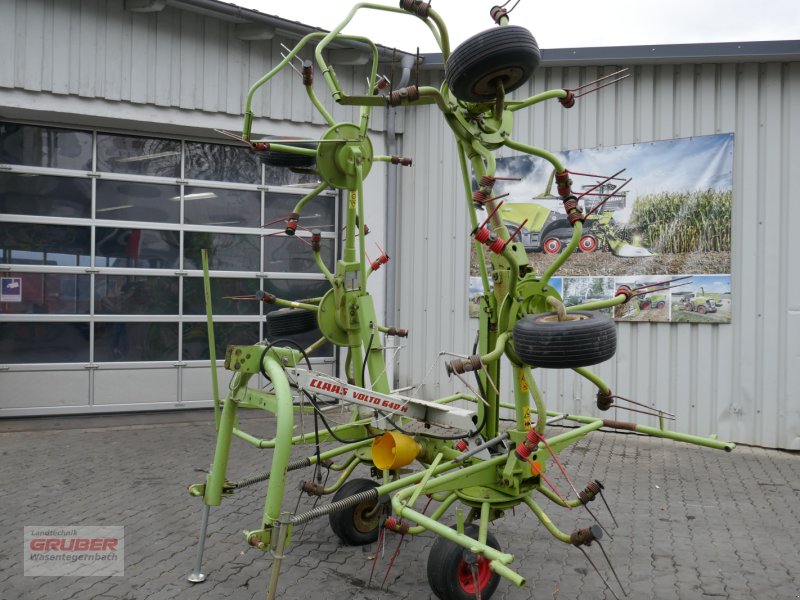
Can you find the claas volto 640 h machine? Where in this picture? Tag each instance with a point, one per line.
(463, 454)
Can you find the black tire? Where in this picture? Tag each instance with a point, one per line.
(701, 310)
(449, 574)
(542, 340)
(509, 54)
(277, 158)
(353, 525)
(289, 321)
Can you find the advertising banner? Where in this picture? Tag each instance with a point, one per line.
(665, 214)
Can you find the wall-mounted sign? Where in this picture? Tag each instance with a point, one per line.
(10, 289)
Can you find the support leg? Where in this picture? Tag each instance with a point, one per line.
(197, 576)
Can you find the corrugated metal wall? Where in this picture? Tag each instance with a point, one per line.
(173, 58)
(740, 380)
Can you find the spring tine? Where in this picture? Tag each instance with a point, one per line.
(605, 180)
(233, 135)
(659, 283)
(249, 297)
(608, 196)
(560, 466)
(285, 47)
(643, 405)
(593, 175)
(586, 554)
(596, 520)
(608, 508)
(489, 379)
(600, 87)
(644, 412)
(391, 562)
(610, 566)
(604, 77)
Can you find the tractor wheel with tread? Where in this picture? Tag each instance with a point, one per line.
(586, 338)
(552, 246)
(701, 310)
(290, 321)
(357, 525)
(280, 158)
(502, 55)
(451, 576)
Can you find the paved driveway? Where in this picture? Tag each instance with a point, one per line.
(693, 523)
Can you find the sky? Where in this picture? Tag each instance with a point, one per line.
(575, 24)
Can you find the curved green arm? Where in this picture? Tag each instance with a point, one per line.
(310, 196)
(319, 106)
(498, 349)
(323, 269)
(473, 217)
(538, 399)
(515, 106)
(542, 516)
(598, 304)
(577, 232)
(540, 152)
(594, 378)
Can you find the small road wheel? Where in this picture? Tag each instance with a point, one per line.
(502, 55)
(290, 321)
(588, 243)
(455, 573)
(552, 246)
(279, 158)
(585, 339)
(359, 524)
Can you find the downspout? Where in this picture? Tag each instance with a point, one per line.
(391, 205)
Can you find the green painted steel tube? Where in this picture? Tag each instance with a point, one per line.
(548, 95)
(483, 526)
(577, 231)
(437, 514)
(316, 345)
(348, 470)
(311, 195)
(504, 571)
(428, 472)
(213, 491)
(499, 348)
(551, 495)
(536, 394)
(291, 149)
(293, 304)
(594, 378)
(598, 304)
(473, 218)
(541, 153)
(542, 516)
(212, 348)
(685, 437)
(361, 222)
(319, 106)
(284, 425)
(298, 439)
(323, 269)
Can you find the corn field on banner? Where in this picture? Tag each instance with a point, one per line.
(671, 219)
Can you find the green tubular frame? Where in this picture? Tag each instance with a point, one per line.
(446, 476)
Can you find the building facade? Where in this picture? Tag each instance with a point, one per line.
(113, 176)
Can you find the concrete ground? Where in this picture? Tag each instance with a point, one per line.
(693, 523)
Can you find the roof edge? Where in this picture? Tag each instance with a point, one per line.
(722, 52)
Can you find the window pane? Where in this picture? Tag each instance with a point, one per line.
(126, 201)
(217, 162)
(45, 293)
(195, 338)
(28, 194)
(135, 341)
(135, 295)
(28, 244)
(283, 176)
(138, 155)
(143, 248)
(232, 208)
(45, 147)
(319, 213)
(291, 254)
(44, 343)
(293, 289)
(226, 252)
(194, 300)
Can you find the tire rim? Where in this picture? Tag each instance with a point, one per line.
(554, 318)
(588, 243)
(467, 582)
(552, 246)
(363, 520)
